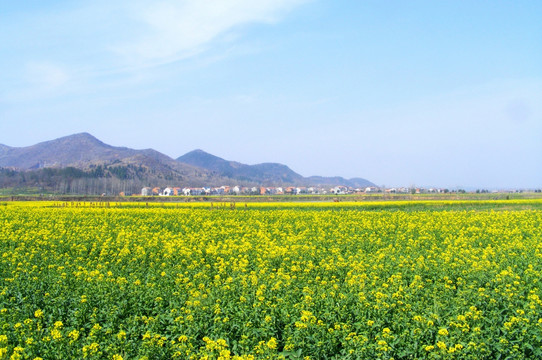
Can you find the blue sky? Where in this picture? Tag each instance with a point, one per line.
(425, 93)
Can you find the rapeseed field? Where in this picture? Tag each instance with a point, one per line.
(307, 281)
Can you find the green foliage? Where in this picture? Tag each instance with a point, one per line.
(330, 282)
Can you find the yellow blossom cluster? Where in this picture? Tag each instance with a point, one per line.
(270, 281)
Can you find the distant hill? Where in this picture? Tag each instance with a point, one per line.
(81, 163)
(97, 163)
(4, 149)
(266, 173)
(79, 150)
(84, 151)
(74, 150)
(335, 180)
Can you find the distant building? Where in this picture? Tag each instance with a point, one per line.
(339, 190)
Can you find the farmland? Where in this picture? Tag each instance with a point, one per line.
(399, 280)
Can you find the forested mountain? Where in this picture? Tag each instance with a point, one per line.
(265, 173)
(82, 164)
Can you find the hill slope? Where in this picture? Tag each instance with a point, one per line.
(95, 160)
(83, 151)
(80, 158)
(78, 150)
(265, 174)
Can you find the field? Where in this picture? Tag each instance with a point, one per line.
(378, 280)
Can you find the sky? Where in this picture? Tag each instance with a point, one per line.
(402, 93)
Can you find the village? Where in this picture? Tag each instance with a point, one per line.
(290, 190)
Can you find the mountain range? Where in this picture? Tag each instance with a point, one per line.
(89, 157)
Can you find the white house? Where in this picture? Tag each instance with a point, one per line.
(339, 190)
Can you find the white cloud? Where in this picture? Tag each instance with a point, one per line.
(173, 30)
(94, 46)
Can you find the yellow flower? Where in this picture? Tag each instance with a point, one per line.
(56, 334)
(222, 342)
(95, 328)
(73, 335)
(272, 343)
(183, 338)
(443, 332)
(121, 335)
(38, 313)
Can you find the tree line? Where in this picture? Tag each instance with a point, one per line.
(96, 180)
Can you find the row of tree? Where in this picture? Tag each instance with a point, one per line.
(97, 180)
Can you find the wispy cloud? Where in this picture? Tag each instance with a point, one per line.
(174, 30)
(95, 45)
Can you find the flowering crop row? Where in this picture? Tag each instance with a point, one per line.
(337, 282)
